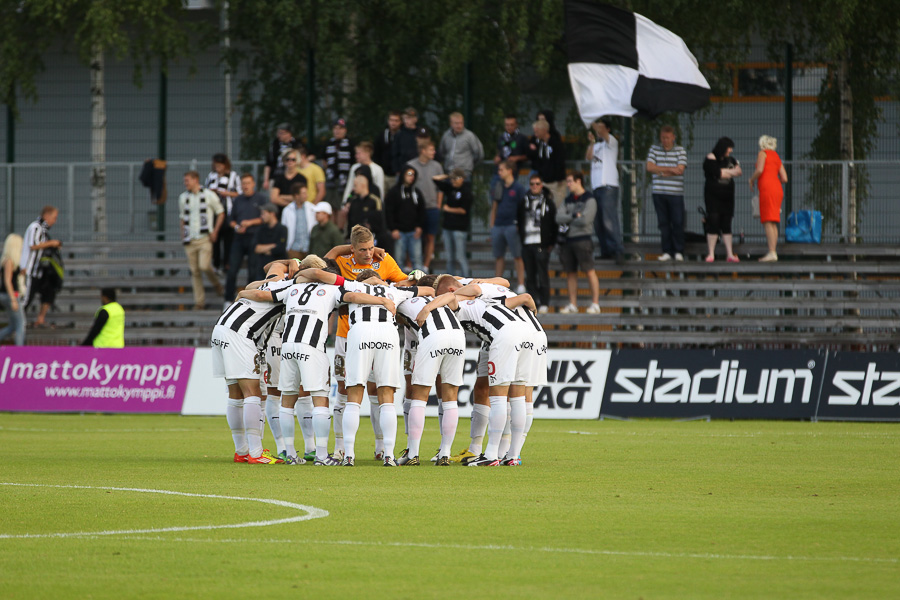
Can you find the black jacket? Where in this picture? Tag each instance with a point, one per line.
(404, 148)
(384, 145)
(544, 207)
(548, 158)
(404, 207)
(457, 198)
(366, 212)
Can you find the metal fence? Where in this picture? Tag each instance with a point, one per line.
(820, 185)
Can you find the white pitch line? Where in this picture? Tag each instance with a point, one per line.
(311, 513)
(749, 434)
(67, 430)
(548, 549)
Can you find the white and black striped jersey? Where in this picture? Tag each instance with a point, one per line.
(30, 260)
(485, 319)
(255, 320)
(229, 182)
(439, 319)
(498, 293)
(370, 313)
(308, 307)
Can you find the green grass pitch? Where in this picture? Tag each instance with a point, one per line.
(641, 509)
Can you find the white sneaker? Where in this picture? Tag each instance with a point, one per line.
(520, 289)
(542, 310)
(569, 309)
(593, 309)
(679, 257)
(665, 257)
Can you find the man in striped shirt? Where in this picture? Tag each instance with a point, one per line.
(35, 241)
(202, 216)
(667, 162)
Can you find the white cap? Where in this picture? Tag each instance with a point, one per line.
(323, 207)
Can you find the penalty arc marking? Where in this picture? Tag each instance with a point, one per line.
(311, 512)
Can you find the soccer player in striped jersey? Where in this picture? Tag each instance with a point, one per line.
(235, 342)
(373, 346)
(441, 348)
(359, 256)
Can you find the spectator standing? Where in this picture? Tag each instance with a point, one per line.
(426, 168)
(324, 235)
(720, 168)
(577, 213)
(365, 208)
(512, 143)
(298, 217)
(280, 192)
(338, 159)
(315, 176)
(224, 182)
(460, 148)
(108, 329)
(363, 155)
(503, 222)
(548, 159)
(603, 152)
(383, 149)
(667, 162)
(404, 215)
(270, 241)
(457, 211)
(537, 229)
(405, 146)
(771, 175)
(284, 141)
(202, 216)
(245, 220)
(36, 241)
(11, 298)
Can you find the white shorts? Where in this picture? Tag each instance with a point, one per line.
(373, 347)
(233, 356)
(441, 353)
(303, 365)
(481, 369)
(539, 372)
(511, 358)
(340, 360)
(269, 376)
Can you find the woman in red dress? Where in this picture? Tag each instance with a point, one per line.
(771, 176)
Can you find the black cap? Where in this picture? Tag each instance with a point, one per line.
(340, 122)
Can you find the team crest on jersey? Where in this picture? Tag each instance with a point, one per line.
(294, 292)
(470, 302)
(320, 293)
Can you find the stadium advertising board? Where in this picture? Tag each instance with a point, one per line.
(861, 386)
(719, 384)
(82, 379)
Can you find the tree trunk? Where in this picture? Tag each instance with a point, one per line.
(846, 139)
(98, 145)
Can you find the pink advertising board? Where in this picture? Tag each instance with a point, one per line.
(82, 379)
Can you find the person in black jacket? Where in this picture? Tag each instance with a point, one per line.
(404, 213)
(538, 229)
(269, 241)
(284, 141)
(548, 158)
(365, 208)
(457, 210)
(384, 147)
(405, 145)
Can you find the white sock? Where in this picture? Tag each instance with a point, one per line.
(407, 402)
(506, 438)
(273, 411)
(375, 416)
(351, 426)
(517, 424)
(304, 409)
(440, 413)
(448, 426)
(496, 423)
(340, 401)
(389, 428)
(529, 416)
(286, 417)
(234, 414)
(253, 425)
(480, 414)
(321, 424)
(416, 426)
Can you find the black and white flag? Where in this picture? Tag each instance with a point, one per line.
(621, 63)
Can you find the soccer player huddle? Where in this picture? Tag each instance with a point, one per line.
(390, 325)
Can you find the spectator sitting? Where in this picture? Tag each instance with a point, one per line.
(364, 151)
(11, 298)
(245, 220)
(577, 252)
(457, 209)
(324, 235)
(537, 229)
(108, 329)
(460, 148)
(504, 231)
(298, 217)
(404, 214)
(365, 209)
(270, 242)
